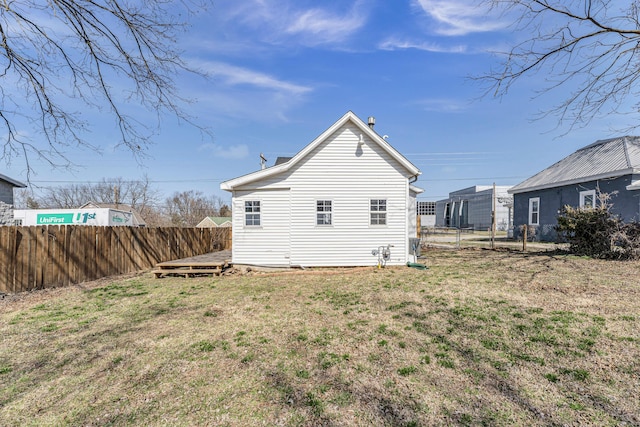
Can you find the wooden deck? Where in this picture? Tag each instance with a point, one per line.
(212, 263)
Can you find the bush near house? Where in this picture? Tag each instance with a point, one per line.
(597, 233)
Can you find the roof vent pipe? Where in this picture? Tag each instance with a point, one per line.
(263, 161)
(372, 121)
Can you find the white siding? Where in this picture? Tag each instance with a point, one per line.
(267, 244)
(350, 175)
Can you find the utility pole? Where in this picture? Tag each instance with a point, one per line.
(493, 217)
(116, 196)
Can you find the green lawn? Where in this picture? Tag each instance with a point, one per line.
(480, 338)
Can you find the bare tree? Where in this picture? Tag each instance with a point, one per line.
(225, 210)
(589, 47)
(60, 56)
(188, 208)
(139, 194)
(25, 199)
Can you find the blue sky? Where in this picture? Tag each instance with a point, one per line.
(282, 71)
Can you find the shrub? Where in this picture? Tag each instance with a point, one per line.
(588, 231)
(597, 233)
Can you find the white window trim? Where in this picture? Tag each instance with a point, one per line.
(386, 211)
(330, 213)
(244, 213)
(531, 202)
(584, 194)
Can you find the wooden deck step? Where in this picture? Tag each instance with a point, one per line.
(186, 272)
(213, 263)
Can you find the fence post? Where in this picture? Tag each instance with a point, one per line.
(524, 237)
(493, 217)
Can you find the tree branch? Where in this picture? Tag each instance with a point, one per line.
(580, 45)
(92, 43)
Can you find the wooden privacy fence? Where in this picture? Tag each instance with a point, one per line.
(58, 255)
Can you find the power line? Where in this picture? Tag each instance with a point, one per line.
(471, 179)
(452, 153)
(112, 181)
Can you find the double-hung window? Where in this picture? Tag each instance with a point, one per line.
(252, 213)
(588, 199)
(378, 212)
(534, 211)
(323, 212)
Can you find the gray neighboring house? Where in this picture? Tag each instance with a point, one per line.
(611, 166)
(471, 208)
(6, 198)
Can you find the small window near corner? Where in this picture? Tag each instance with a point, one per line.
(588, 199)
(323, 212)
(252, 213)
(534, 211)
(378, 212)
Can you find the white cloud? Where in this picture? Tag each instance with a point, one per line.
(239, 93)
(443, 105)
(395, 44)
(289, 22)
(238, 151)
(322, 26)
(234, 76)
(460, 17)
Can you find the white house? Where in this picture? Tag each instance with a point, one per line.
(346, 194)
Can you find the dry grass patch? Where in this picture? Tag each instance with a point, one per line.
(481, 338)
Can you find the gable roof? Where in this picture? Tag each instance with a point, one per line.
(217, 220)
(12, 181)
(283, 167)
(605, 158)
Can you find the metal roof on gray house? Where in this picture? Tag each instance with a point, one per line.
(606, 158)
(12, 181)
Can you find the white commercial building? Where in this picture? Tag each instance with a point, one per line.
(471, 208)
